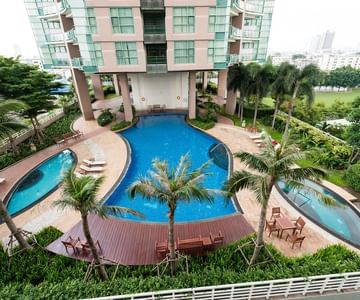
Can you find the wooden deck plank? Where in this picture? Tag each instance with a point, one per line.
(133, 243)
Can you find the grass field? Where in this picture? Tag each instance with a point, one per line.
(326, 98)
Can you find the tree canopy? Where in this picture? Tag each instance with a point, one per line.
(343, 77)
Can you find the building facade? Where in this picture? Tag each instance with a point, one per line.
(157, 46)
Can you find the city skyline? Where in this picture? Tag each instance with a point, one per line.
(295, 36)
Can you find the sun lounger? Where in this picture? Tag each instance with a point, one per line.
(91, 169)
(2, 180)
(256, 137)
(92, 163)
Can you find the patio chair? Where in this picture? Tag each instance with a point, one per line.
(161, 249)
(86, 248)
(300, 224)
(272, 227)
(295, 239)
(217, 240)
(91, 169)
(77, 134)
(275, 213)
(71, 243)
(93, 163)
(59, 141)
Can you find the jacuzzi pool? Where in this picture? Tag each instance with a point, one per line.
(168, 137)
(342, 219)
(39, 182)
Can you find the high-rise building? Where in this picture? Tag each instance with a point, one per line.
(322, 42)
(155, 45)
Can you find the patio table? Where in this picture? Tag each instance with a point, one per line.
(285, 224)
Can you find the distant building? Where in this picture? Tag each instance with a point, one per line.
(329, 62)
(322, 42)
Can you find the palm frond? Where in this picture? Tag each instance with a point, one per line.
(240, 180)
(253, 161)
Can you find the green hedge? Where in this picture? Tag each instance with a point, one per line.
(105, 118)
(55, 130)
(262, 111)
(205, 125)
(352, 176)
(120, 125)
(40, 275)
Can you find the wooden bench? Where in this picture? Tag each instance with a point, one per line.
(193, 246)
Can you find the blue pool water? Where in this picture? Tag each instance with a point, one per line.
(341, 219)
(40, 181)
(168, 137)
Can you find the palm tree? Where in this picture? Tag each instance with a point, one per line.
(238, 80)
(279, 89)
(12, 227)
(170, 187)
(300, 83)
(8, 123)
(261, 78)
(80, 194)
(270, 165)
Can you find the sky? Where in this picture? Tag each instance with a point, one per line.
(295, 22)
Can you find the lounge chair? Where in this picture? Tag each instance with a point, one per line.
(93, 163)
(71, 243)
(295, 239)
(256, 137)
(161, 249)
(2, 180)
(91, 169)
(86, 248)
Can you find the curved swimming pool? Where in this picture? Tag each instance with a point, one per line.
(342, 219)
(168, 137)
(39, 182)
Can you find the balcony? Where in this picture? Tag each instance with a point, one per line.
(234, 34)
(54, 38)
(51, 11)
(250, 34)
(237, 6)
(251, 8)
(70, 36)
(233, 59)
(152, 4)
(87, 65)
(154, 34)
(156, 64)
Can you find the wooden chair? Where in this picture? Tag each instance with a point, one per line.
(295, 239)
(300, 224)
(275, 213)
(71, 243)
(68, 136)
(161, 249)
(192, 246)
(217, 240)
(272, 227)
(86, 248)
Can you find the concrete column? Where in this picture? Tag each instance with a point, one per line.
(192, 95)
(222, 79)
(97, 86)
(205, 80)
(122, 79)
(230, 102)
(82, 92)
(116, 84)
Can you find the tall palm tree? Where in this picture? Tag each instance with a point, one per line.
(270, 165)
(279, 89)
(80, 194)
(300, 83)
(8, 123)
(238, 80)
(261, 78)
(12, 227)
(171, 187)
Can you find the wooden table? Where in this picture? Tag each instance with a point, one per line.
(285, 223)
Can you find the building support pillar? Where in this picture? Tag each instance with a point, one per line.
(230, 102)
(116, 84)
(97, 86)
(82, 91)
(222, 79)
(122, 79)
(205, 80)
(192, 95)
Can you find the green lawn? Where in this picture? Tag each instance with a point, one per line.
(110, 96)
(326, 98)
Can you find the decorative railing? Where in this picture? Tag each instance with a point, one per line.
(271, 289)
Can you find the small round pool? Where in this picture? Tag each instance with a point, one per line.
(342, 219)
(39, 182)
(168, 137)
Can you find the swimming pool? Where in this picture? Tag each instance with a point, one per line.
(39, 182)
(342, 220)
(168, 137)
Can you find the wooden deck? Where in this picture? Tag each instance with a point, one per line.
(133, 243)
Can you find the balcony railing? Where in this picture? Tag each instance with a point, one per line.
(234, 59)
(52, 9)
(234, 33)
(154, 29)
(251, 34)
(237, 5)
(54, 38)
(152, 4)
(253, 8)
(156, 60)
(70, 36)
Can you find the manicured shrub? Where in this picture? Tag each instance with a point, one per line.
(352, 176)
(108, 89)
(121, 109)
(120, 125)
(212, 88)
(105, 118)
(203, 124)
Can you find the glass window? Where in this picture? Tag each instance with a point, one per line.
(184, 52)
(183, 19)
(98, 54)
(218, 19)
(122, 20)
(126, 53)
(91, 20)
(217, 51)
